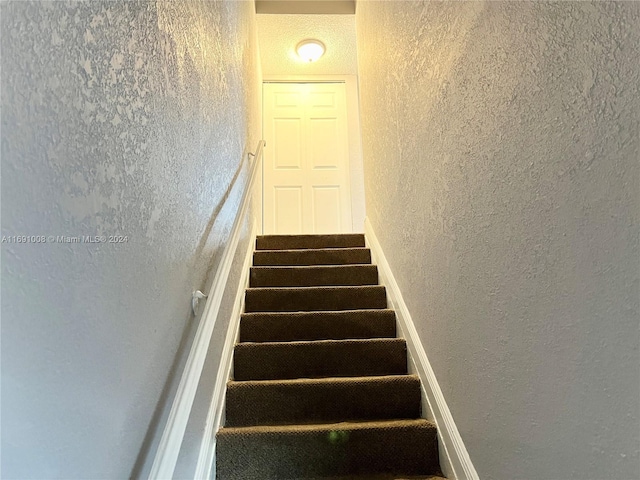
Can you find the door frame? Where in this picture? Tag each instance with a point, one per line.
(354, 137)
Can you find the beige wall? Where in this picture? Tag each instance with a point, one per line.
(118, 118)
(502, 179)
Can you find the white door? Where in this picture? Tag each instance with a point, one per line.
(306, 160)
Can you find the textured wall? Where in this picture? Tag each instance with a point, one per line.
(118, 118)
(502, 176)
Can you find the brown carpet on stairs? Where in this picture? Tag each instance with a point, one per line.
(306, 299)
(296, 326)
(320, 387)
(314, 275)
(320, 358)
(325, 256)
(383, 477)
(322, 400)
(291, 242)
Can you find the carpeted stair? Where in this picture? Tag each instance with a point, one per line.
(320, 387)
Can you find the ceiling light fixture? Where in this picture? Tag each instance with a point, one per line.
(310, 50)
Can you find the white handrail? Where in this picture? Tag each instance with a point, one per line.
(168, 450)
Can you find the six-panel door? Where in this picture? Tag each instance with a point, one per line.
(306, 164)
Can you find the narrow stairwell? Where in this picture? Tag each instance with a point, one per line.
(320, 387)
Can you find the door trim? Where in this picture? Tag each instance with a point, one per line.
(356, 169)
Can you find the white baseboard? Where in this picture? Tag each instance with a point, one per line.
(454, 458)
(205, 468)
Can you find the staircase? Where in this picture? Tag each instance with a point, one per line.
(320, 386)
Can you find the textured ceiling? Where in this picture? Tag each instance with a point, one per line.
(278, 36)
(306, 6)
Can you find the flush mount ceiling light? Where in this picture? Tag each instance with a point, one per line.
(310, 50)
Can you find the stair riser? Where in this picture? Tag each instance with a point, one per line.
(289, 327)
(286, 403)
(295, 455)
(305, 300)
(313, 276)
(273, 361)
(290, 242)
(312, 257)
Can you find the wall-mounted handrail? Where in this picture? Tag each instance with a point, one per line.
(169, 447)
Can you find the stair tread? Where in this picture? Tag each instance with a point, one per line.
(300, 250)
(313, 275)
(328, 427)
(305, 241)
(323, 381)
(344, 341)
(327, 449)
(398, 476)
(317, 325)
(317, 298)
(320, 359)
(322, 400)
(316, 288)
(328, 313)
(312, 267)
(313, 256)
